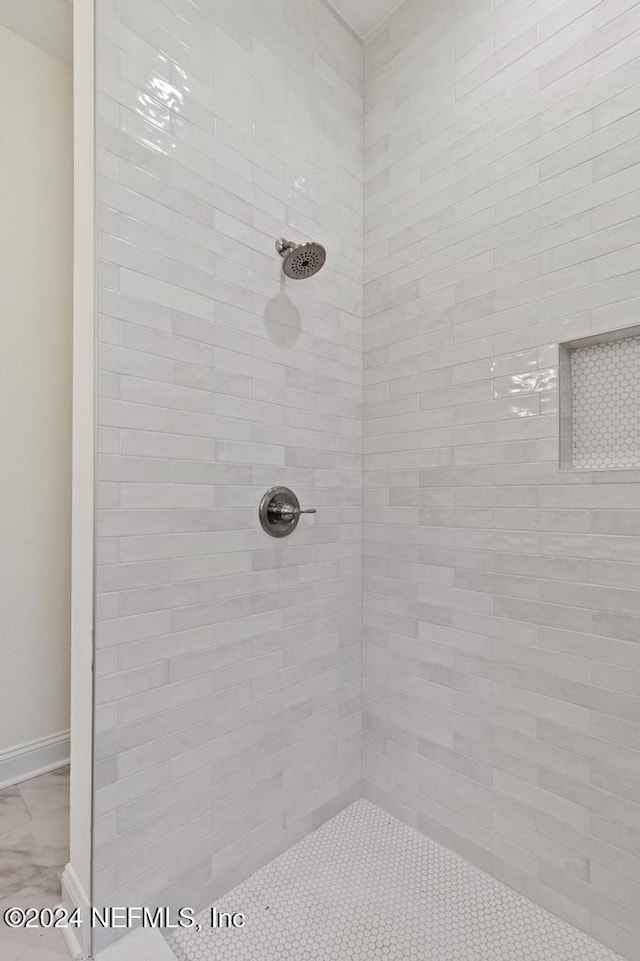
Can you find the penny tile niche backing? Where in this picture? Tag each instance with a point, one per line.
(600, 398)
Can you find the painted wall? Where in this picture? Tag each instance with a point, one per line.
(36, 172)
(502, 663)
(228, 664)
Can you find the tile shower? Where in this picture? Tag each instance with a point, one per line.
(448, 652)
(228, 663)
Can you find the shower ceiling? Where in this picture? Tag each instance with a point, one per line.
(365, 15)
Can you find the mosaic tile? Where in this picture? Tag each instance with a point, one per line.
(365, 887)
(605, 405)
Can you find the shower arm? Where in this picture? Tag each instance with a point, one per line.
(284, 246)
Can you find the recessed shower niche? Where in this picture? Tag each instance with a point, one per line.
(600, 402)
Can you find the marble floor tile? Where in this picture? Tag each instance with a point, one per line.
(31, 944)
(47, 793)
(34, 848)
(13, 810)
(33, 856)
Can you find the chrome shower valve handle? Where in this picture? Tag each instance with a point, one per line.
(280, 512)
(286, 512)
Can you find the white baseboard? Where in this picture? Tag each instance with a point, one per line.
(37, 757)
(78, 940)
(143, 944)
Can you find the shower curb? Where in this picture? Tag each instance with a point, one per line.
(143, 944)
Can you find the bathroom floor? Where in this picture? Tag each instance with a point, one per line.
(366, 887)
(34, 848)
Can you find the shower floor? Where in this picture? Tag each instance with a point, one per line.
(365, 887)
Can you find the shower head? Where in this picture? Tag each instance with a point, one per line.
(301, 260)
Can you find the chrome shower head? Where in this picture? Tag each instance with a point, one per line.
(301, 260)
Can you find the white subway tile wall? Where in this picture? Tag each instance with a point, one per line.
(228, 665)
(502, 602)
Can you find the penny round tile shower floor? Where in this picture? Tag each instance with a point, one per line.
(365, 887)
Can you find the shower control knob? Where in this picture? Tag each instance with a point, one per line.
(280, 512)
(287, 513)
